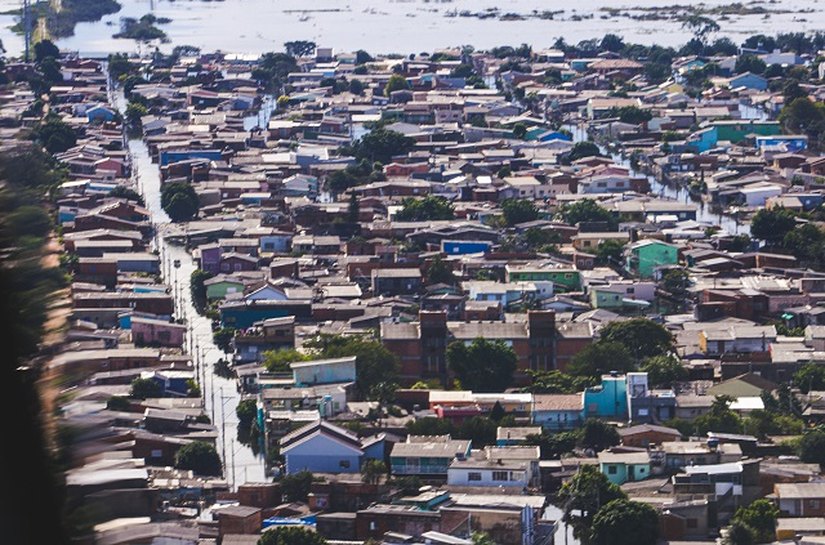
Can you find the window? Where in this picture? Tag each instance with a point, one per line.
(344, 464)
(474, 476)
(611, 470)
(813, 504)
(500, 476)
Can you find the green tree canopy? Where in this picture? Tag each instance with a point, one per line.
(440, 272)
(426, 209)
(381, 145)
(143, 388)
(55, 135)
(179, 200)
(664, 370)
(45, 48)
(598, 435)
(397, 82)
(581, 150)
(223, 338)
(483, 365)
(631, 114)
(519, 211)
(601, 358)
(812, 447)
(556, 382)
(300, 48)
(296, 486)
(642, 337)
(290, 535)
(277, 361)
(586, 210)
(625, 522)
(720, 418)
(771, 225)
(760, 516)
(610, 252)
(246, 411)
(582, 496)
(810, 376)
(200, 457)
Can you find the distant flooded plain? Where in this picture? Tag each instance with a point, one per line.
(406, 26)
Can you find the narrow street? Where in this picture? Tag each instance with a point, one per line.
(221, 396)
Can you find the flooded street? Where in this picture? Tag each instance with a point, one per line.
(220, 394)
(403, 26)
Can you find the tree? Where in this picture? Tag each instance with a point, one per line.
(427, 209)
(200, 457)
(375, 365)
(583, 496)
(381, 145)
(771, 225)
(44, 49)
(273, 69)
(587, 211)
(123, 192)
(55, 135)
(118, 403)
(598, 435)
(143, 388)
(760, 516)
(610, 252)
(642, 337)
(631, 114)
(179, 200)
(556, 382)
(812, 447)
(664, 370)
(555, 445)
(700, 25)
(440, 272)
(396, 82)
(599, 358)
(612, 42)
(295, 486)
(362, 57)
(246, 410)
(625, 522)
(518, 211)
(810, 376)
(478, 429)
(372, 471)
(135, 112)
(277, 361)
(804, 116)
(430, 425)
(223, 338)
(484, 365)
(739, 534)
(28, 219)
(749, 63)
(675, 282)
(290, 535)
(300, 48)
(198, 289)
(520, 130)
(720, 418)
(807, 244)
(583, 149)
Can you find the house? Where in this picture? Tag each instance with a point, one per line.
(800, 499)
(154, 332)
(427, 456)
(622, 467)
(645, 256)
(508, 436)
(321, 447)
(557, 412)
(396, 281)
(507, 467)
(328, 371)
(748, 80)
(645, 435)
(564, 279)
(608, 400)
(679, 454)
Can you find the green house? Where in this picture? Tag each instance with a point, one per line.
(645, 256)
(563, 279)
(222, 285)
(606, 298)
(624, 467)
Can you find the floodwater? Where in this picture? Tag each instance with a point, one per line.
(220, 395)
(408, 26)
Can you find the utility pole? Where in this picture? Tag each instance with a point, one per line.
(27, 27)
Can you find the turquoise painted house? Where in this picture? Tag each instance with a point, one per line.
(222, 285)
(608, 400)
(645, 256)
(624, 467)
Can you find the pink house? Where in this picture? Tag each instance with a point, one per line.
(153, 332)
